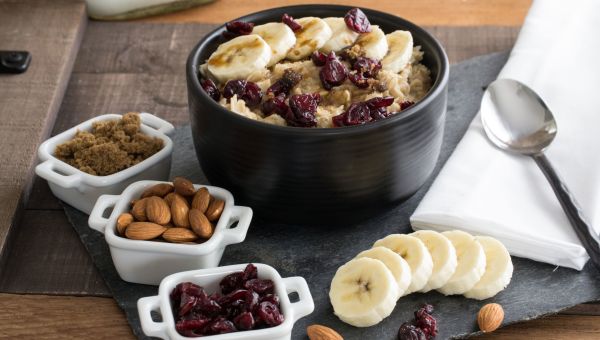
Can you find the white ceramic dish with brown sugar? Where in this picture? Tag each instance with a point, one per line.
(148, 262)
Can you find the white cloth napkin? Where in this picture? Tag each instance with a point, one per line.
(486, 191)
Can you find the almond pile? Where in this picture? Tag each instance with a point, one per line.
(175, 213)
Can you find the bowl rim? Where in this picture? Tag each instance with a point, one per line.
(439, 84)
(46, 150)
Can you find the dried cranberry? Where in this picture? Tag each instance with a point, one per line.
(237, 28)
(221, 326)
(357, 114)
(358, 80)
(378, 102)
(406, 104)
(275, 105)
(187, 325)
(409, 331)
(250, 272)
(244, 321)
(190, 334)
(284, 85)
(208, 307)
(274, 299)
(232, 282)
(357, 21)
(426, 322)
(333, 73)
(245, 90)
(302, 110)
(260, 286)
(187, 303)
(211, 89)
(269, 314)
(293, 24)
(367, 67)
(318, 58)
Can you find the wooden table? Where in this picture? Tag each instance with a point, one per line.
(41, 220)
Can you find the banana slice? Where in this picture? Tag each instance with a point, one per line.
(342, 36)
(314, 34)
(443, 255)
(239, 57)
(498, 269)
(363, 292)
(374, 44)
(400, 50)
(280, 38)
(394, 262)
(416, 255)
(471, 263)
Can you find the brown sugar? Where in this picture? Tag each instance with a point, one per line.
(111, 146)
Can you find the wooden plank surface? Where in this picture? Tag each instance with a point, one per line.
(51, 31)
(422, 12)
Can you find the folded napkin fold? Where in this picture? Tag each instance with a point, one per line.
(486, 191)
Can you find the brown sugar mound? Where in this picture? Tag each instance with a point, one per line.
(110, 147)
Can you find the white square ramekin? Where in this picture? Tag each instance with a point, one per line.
(209, 279)
(148, 262)
(80, 189)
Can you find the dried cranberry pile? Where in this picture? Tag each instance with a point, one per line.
(245, 302)
(423, 327)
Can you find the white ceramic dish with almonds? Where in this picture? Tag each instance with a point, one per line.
(80, 189)
(148, 262)
(209, 279)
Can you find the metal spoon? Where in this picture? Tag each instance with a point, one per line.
(516, 119)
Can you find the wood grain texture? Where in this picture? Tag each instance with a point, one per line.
(423, 12)
(30, 100)
(63, 317)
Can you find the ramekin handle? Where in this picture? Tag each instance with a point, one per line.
(156, 123)
(46, 170)
(146, 306)
(236, 235)
(96, 220)
(305, 304)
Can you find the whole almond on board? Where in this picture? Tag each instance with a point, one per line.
(179, 235)
(159, 190)
(320, 332)
(183, 186)
(179, 211)
(169, 198)
(490, 317)
(123, 221)
(139, 210)
(157, 210)
(144, 230)
(200, 224)
(215, 208)
(201, 200)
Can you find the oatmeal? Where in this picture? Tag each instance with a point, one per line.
(314, 72)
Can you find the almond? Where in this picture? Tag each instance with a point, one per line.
(157, 210)
(159, 190)
(179, 235)
(144, 230)
(169, 198)
(139, 210)
(215, 208)
(123, 221)
(179, 211)
(490, 317)
(183, 186)
(201, 200)
(320, 332)
(200, 224)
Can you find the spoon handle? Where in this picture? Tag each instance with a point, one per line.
(587, 235)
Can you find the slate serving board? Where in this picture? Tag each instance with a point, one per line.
(316, 253)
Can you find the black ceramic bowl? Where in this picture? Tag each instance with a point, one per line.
(313, 175)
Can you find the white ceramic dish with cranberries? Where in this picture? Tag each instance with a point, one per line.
(148, 262)
(80, 189)
(209, 279)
